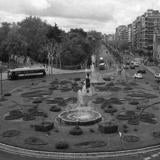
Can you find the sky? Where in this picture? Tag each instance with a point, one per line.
(99, 15)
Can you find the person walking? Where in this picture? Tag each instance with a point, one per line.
(87, 82)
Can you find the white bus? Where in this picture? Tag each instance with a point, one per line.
(19, 73)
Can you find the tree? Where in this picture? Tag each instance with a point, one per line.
(4, 30)
(34, 30)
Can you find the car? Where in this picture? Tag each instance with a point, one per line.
(138, 76)
(132, 66)
(136, 64)
(126, 66)
(102, 66)
(142, 71)
(157, 75)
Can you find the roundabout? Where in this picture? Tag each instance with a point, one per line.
(35, 129)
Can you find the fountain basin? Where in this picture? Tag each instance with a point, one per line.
(80, 117)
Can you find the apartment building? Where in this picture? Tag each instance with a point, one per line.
(121, 33)
(156, 40)
(143, 30)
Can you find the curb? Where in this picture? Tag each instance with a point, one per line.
(60, 155)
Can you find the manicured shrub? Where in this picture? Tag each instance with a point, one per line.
(34, 141)
(7, 94)
(91, 130)
(110, 109)
(99, 100)
(76, 131)
(133, 121)
(55, 108)
(71, 100)
(14, 114)
(108, 127)
(62, 145)
(44, 126)
(134, 102)
(131, 138)
(77, 79)
(156, 134)
(28, 117)
(37, 101)
(107, 79)
(135, 129)
(11, 133)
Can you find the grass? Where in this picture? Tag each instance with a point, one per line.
(91, 138)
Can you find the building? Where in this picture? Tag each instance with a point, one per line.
(150, 20)
(130, 36)
(143, 29)
(121, 33)
(156, 40)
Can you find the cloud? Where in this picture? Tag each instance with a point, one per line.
(101, 15)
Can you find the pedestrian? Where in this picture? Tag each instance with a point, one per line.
(87, 82)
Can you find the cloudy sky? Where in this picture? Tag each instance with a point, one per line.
(100, 15)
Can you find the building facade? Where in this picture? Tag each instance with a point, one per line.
(143, 30)
(121, 33)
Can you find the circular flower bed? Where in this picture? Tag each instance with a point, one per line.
(134, 120)
(28, 117)
(99, 100)
(65, 89)
(156, 134)
(37, 101)
(148, 118)
(14, 114)
(134, 102)
(44, 127)
(76, 131)
(11, 133)
(55, 108)
(62, 145)
(107, 78)
(71, 100)
(35, 141)
(131, 138)
(108, 127)
(110, 109)
(7, 94)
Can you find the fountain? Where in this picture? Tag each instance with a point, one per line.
(83, 113)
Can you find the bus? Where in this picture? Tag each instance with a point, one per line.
(26, 72)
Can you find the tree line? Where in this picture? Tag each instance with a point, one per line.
(37, 39)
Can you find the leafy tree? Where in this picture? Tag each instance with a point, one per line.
(34, 30)
(4, 30)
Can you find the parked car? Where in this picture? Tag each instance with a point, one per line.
(132, 66)
(157, 75)
(126, 66)
(136, 64)
(138, 76)
(142, 71)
